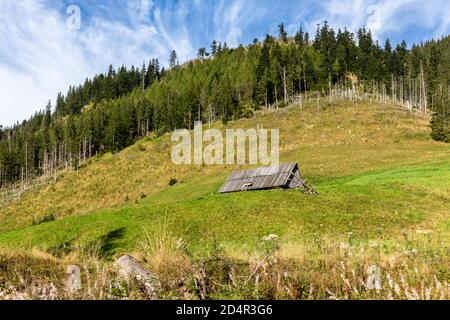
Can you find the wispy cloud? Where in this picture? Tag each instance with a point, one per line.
(42, 56)
(140, 10)
(412, 20)
(39, 56)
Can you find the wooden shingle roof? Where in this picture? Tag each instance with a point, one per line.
(281, 176)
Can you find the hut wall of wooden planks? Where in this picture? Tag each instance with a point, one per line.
(285, 176)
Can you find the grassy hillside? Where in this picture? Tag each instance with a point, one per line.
(384, 187)
(375, 168)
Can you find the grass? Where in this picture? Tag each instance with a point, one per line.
(380, 179)
(373, 205)
(340, 141)
(373, 188)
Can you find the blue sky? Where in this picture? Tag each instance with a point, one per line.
(40, 55)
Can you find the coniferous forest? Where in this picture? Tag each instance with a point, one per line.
(113, 110)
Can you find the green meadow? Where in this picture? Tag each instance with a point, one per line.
(377, 172)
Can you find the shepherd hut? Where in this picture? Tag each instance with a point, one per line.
(285, 176)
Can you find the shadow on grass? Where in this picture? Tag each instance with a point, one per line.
(62, 249)
(104, 247)
(108, 244)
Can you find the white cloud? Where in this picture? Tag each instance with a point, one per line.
(140, 9)
(388, 17)
(20, 96)
(230, 22)
(392, 16)
(179, 38)
(232, 18)
(110, 42)
(39, 56)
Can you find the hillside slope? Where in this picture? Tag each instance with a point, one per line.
(376, 169)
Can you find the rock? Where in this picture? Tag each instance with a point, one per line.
(270, 237)
(373, 281)
(73, 282)
(130, 268)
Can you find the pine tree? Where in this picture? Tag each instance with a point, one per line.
(282, 34)
(306, 39)
(336, 70)
(433, 69)
(401, 56)
(201, 53)
(440, 123)
(300, 37)
(60, 104)
(214, 47)
(173, 60)
(106, 112)
(388, 59)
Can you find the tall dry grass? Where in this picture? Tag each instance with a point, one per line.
(166, 254)
(416, 266)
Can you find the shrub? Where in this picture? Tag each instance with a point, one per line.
(247, 110)
(141, 196)
(141, 147)
(45, 219)
(282, 105)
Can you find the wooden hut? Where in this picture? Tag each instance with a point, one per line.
(285, 176)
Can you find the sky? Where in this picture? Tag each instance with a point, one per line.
(48, 45)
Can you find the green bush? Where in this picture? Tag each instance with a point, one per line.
(141, 147)
(282, 105)
(45, 219)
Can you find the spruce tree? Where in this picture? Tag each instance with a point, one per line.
(440, 122)
(214, 47)
(300, 37)
(282, 34)
(173, 60)
(201, 53)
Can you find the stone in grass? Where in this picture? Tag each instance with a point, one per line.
(130, 268)
(373, 281)
(73, 282)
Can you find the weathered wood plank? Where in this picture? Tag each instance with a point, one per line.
(280, 176)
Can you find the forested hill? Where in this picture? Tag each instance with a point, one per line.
(113, 110)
